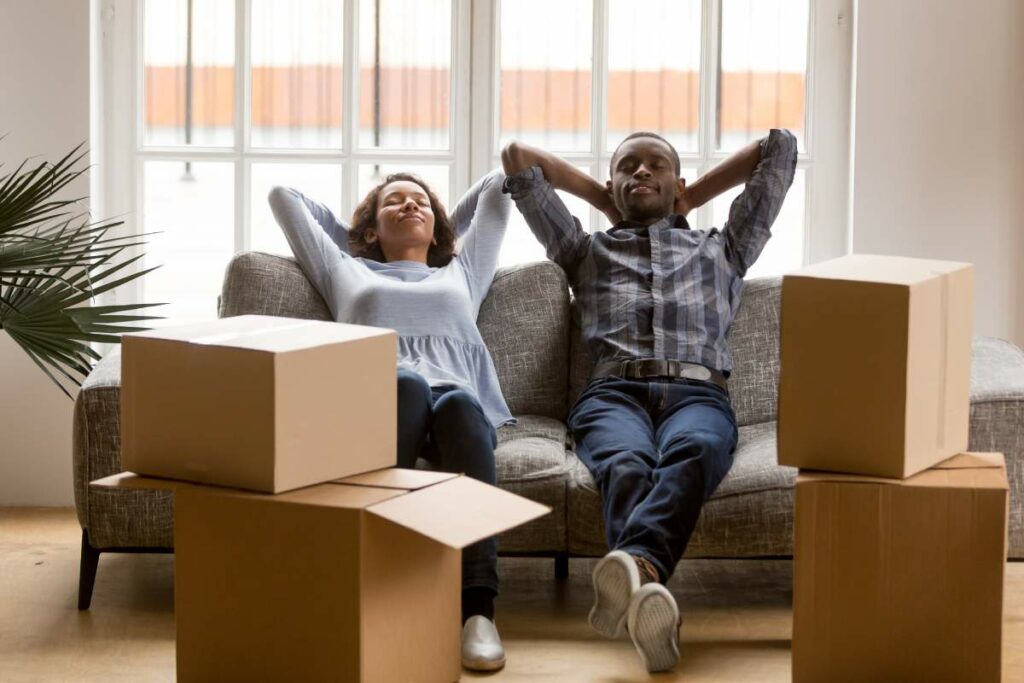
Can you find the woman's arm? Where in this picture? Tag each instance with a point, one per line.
(335, 228)
(485, 210)
(315, 250)
(465, 210)
(562, 175)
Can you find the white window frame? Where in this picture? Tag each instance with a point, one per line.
(825, 160)
(119, 155)
(122, 154)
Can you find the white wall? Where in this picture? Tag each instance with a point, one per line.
(44, 111)
(939, 142)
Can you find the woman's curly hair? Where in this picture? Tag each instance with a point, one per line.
(365, 218)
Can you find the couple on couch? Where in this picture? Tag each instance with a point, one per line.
(654, 426)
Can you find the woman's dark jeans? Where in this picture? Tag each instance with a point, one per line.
(447, 427)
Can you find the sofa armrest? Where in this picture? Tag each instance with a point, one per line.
(997, 419)
(96, 440)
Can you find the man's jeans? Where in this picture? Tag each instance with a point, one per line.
(447, 427)
(657, 450)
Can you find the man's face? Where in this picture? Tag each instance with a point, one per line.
(644, 183)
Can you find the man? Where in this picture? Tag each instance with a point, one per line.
(654, 426)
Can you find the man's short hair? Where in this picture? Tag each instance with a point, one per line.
(649, 134)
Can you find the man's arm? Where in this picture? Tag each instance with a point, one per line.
(752, 213)
(564, 239)
(734, 171)
(517, 157)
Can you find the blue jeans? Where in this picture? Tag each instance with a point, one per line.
(657, 450)
(447, 427)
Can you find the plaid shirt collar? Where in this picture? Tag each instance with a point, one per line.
(675, 220)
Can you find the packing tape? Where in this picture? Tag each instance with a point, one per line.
(221, 338)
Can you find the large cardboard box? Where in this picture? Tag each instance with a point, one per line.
(875, 364)
(355, 580)
(901, 580)
(257, 402)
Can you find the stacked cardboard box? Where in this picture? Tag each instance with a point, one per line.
(900, 536)
(302, 553)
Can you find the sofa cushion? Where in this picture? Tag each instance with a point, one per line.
(525, 323)
(749, 515)
(532, 462)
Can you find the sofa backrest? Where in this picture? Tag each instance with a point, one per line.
(263, 284)
(525, 323)
(754, 342)
(533, 332)
(523, 320)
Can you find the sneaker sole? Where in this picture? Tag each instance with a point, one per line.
(654, 627)
(614, 585)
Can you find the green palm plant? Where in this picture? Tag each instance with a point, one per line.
(53, 263)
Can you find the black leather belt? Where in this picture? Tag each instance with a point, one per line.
(650, 367)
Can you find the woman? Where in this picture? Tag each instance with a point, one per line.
(397, 267)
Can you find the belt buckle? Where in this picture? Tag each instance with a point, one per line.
(694, 371)
(646, 367)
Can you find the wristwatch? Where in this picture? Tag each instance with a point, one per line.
(522, 181)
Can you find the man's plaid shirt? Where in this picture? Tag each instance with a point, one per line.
(662, 291)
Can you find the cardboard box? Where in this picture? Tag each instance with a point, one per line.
(356, 580)
(875, 364)
(901, 580)
(257, 402)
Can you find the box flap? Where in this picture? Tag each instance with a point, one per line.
(897, 270)
(971, 460)
(264, 333)
(130, 480)
(397, 478)
(335, 496)
(965, 470)
(459, 511)
(321, 495)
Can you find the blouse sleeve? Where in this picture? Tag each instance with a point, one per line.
(313, 233)
(485, 211)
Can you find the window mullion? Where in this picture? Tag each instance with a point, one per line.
(460, 76)
(599, 94)
(709, 77)
(484, 75)
(350, 108)
(242, 107)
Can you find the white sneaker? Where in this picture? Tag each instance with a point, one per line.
(653, 624)
(616, 577)
(481, 645)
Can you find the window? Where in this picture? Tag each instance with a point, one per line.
(209, 103)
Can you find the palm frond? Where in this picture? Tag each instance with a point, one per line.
(54, 262)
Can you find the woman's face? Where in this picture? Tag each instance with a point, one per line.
(404, 219)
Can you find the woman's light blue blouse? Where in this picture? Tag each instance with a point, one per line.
(433, 310)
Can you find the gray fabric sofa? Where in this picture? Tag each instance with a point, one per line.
(529, 325)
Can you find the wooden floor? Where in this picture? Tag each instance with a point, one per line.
(736, 616)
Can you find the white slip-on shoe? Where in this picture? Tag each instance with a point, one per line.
(481, 645)
(653, 624)
(616, 577)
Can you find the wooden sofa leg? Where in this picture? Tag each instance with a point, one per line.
(87, 572)
(562, 566)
